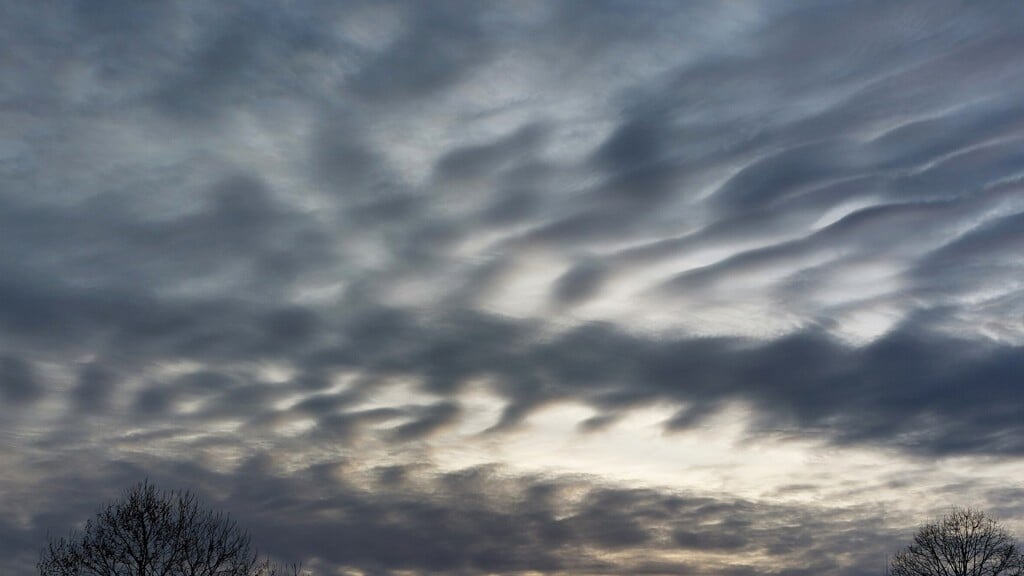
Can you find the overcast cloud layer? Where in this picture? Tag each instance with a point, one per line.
(473, 288)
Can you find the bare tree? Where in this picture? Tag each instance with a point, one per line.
(154, 533)
(964, 543)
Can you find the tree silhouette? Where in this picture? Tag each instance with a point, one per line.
(964, 543)
(154, 533)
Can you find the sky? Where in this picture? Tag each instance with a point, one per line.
(524, 288)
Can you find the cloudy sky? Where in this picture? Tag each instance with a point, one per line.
(529, 288)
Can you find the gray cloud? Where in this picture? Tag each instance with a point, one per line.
(228, 232)
(433, 418)
(480, 520)
(922, 392)
(438, 45)
(580, 283)
(18, 384)
(96, 387)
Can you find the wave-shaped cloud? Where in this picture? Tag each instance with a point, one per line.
(344, 237)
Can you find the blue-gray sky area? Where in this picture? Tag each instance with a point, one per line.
(525, 288)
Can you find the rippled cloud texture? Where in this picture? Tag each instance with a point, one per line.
(588, 288)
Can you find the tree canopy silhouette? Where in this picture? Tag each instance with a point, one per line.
(154, 533)
(964, 543)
